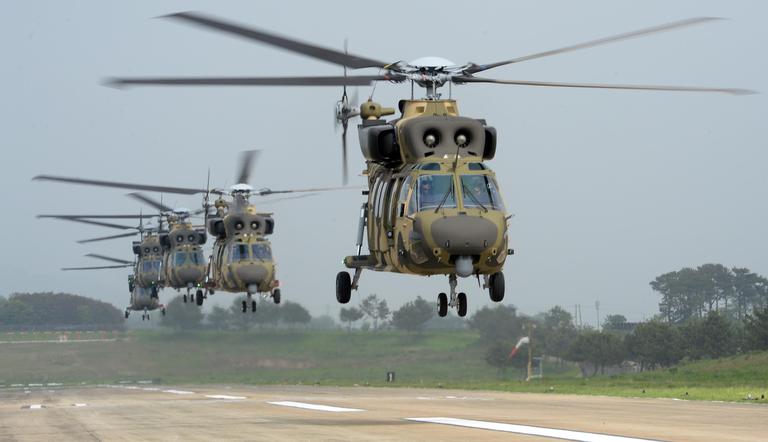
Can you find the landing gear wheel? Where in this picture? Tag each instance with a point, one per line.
(245, 306)
(154, 293)
(343, 287)
(126, 314)
(163, 311)
(185, 299)
(276, 296)
(462, 307)
(253, 306)
(199, 297)
(442, 305)
(496, 286)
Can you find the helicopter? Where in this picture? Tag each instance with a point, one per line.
(146, 280)
(181, 263)
(241, 260)
(433, 205)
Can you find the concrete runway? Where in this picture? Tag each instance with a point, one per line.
(274, 413)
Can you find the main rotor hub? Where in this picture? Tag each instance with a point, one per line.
(241, 188)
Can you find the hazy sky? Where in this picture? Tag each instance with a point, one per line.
(609, 188)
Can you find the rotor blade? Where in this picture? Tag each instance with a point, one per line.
(601, 41)
(150, 188)
(97, 267)
(96, 216)
(247, 159)
(310, 50)
(264, 192)
(606, 86)
(108, 258)
(96, 223)
(104, 238)
(344, 173)
(150, 201)
(358, 80)
(286, 198)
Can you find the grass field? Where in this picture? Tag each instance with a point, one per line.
(449, 359)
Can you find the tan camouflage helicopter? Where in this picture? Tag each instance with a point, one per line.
(171, 257)
(241, 260)
(433, 205)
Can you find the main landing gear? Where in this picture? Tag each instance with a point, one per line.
(276, 296)
(199, 297)
(495, 285)
(250, 301)
(345, 284)
(145, 315)
(127, 313)
(458, 301)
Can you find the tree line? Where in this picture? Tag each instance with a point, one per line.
(650, 345)
(54, 311)
(694, 292)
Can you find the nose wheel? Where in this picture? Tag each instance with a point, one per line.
(457, 300)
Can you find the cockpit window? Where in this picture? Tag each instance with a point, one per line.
(476, 166)
(429, 166)
(480, 191)
(240, 252)
(434, 190)
(261, 251)
(196, 256)
(150, 265)
(181, 258)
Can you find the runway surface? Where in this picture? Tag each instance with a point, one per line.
(274, 413)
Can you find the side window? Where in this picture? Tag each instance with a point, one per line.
(391, 201)
(376, 197)
(413, 204)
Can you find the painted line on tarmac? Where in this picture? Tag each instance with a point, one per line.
(79, 405)
(225, 396)
(33, 407)
(178, 392)
(529, 430)
(316, 407)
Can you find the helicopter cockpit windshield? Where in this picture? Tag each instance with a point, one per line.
(250, 252)
(151, 265)
(192, 257)
(261, 251)
(435, 190)
(480, 191)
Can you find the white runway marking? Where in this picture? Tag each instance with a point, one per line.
(314, 406)
(178, 392)
(224, 396)
(525, 429)
(79, 405)
(150, 389)
(34, 406)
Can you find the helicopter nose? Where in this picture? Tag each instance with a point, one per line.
(464, 235)
(251, 274)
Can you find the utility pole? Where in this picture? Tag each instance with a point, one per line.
(597, 309)
(530, 352)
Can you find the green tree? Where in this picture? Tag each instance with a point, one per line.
(711, 337)
(218, 318)
(181, 316)
(375, 309)
(654, 344)
(599, 349)
(268, 314)
(350, 315)
(757, 329)
(294, 314)
(413, 316)
(557, 332)
(615, 323)
(497, 324)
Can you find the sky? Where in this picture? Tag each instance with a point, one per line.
(609, 188)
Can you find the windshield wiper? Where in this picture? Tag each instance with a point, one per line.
(445, 197)
(471, 194)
